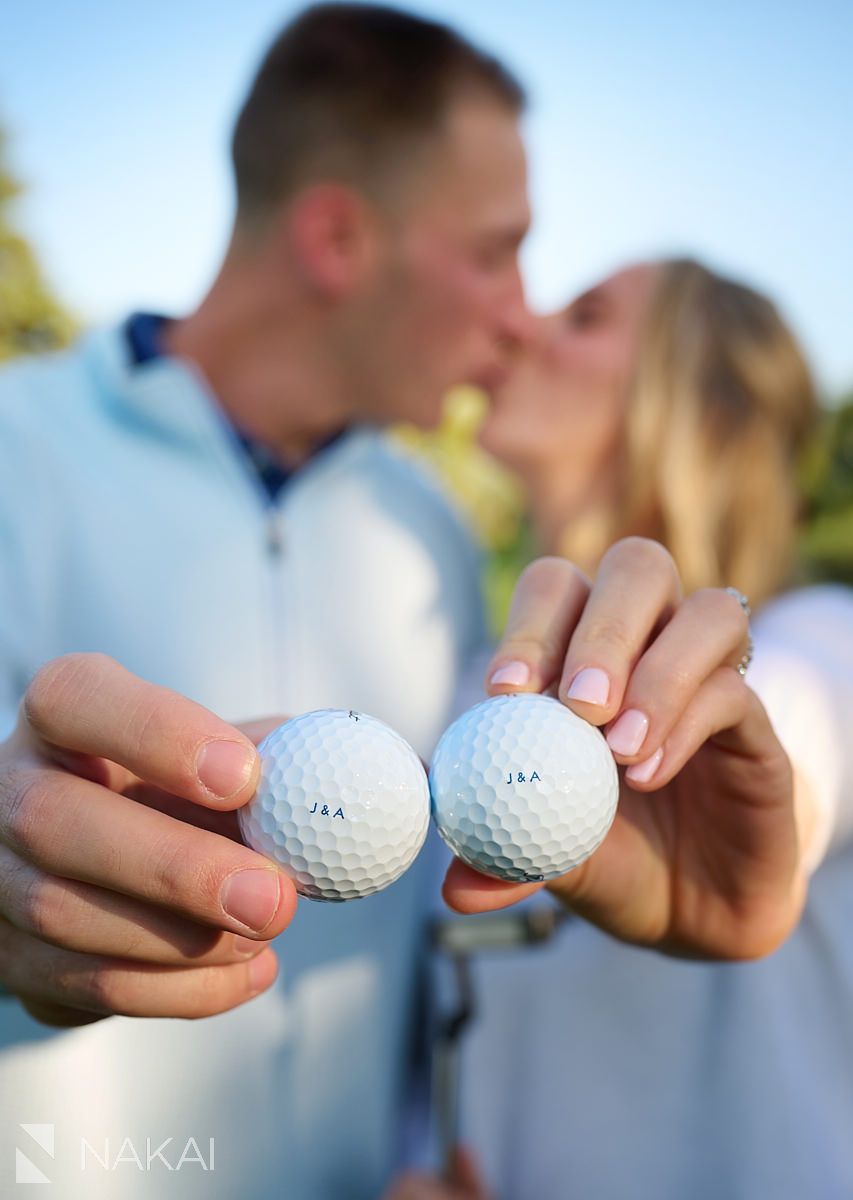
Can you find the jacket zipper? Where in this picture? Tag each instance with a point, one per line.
(281, 672)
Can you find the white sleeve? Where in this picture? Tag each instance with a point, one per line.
(800, 710)
(803, 674)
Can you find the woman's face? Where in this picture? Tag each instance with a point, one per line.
(563, 406)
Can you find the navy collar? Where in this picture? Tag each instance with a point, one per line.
(144, 333)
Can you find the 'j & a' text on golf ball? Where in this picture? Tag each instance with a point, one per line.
(342, 804)
(522, 788)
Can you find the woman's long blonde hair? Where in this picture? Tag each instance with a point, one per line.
(721, 405)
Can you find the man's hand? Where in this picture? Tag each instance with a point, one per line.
(702, 858)
(123, 885)
(464, 1183)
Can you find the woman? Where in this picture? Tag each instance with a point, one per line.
(672, 403)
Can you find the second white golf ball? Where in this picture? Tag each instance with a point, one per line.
(522, 788)
(342, 804)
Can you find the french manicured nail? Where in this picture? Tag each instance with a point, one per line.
(224, 767)
(643, 772)
(591, 686)
(262, 971)
(627, 735)
(513, 674)
(251, 897)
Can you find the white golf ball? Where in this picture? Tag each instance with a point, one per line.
(342, 805)
(522, 789)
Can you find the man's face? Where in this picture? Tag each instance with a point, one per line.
(448, 306)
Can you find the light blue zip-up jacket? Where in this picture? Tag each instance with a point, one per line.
(132, 523)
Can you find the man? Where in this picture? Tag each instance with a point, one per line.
(207, 503)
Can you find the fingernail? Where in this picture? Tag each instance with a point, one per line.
(245, 947)
(591, 686)
(642, 772)
(262, 971)
(224, 767)
(251, 897)
(516, 674)
(627, 735)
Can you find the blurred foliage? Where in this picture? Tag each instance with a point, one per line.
(31, 319)
(827, 484)
(493, 499)
(490, 497)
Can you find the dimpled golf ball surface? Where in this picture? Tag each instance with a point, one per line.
(522, 789)
(342, 805)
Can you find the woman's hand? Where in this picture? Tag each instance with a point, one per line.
(702, 858)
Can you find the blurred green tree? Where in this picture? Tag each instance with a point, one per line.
(31, 319)
(827, 484)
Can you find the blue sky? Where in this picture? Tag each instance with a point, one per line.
(722, 129)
